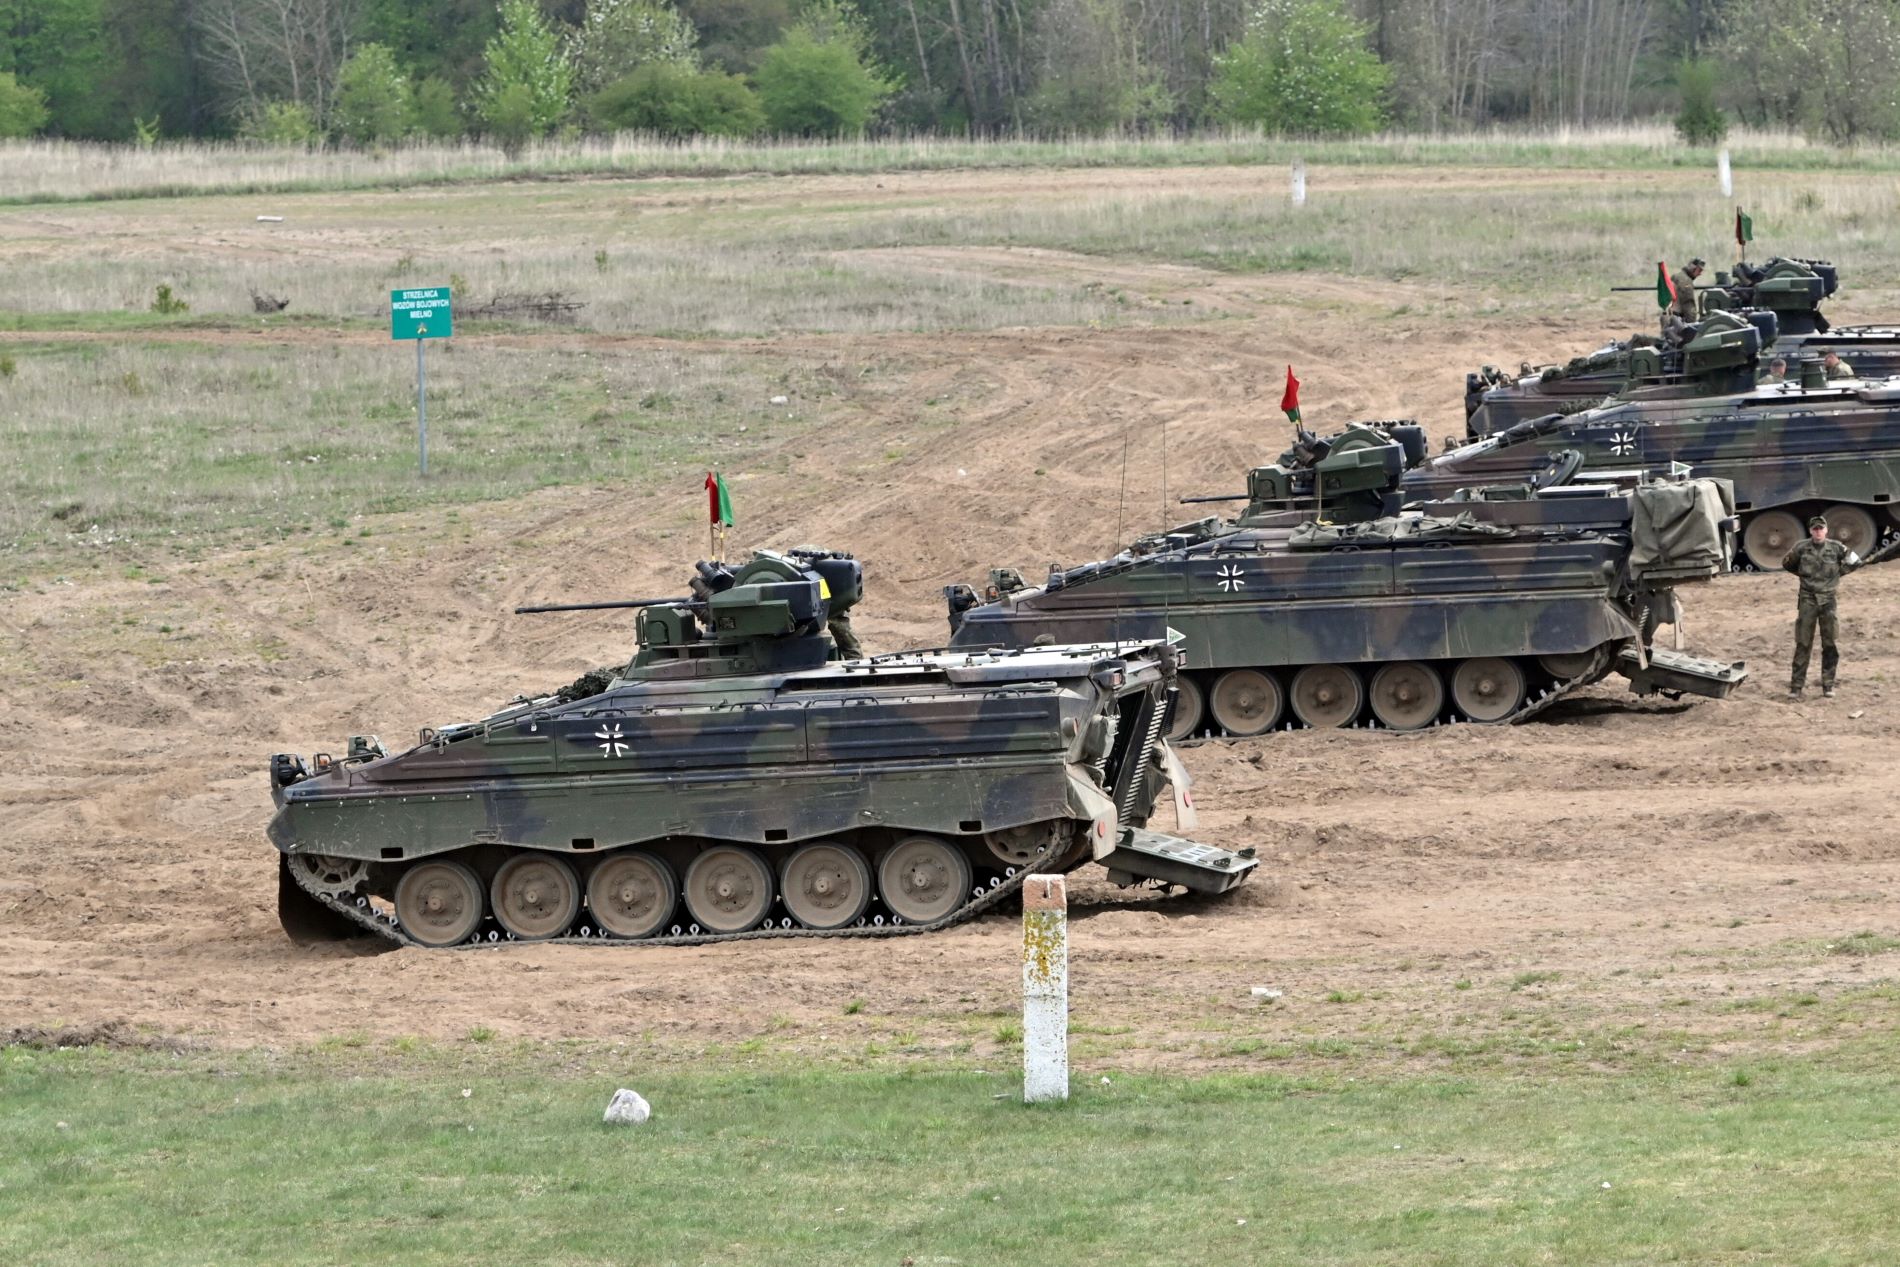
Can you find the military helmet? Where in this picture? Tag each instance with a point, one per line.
(1819, 521)
(1698, 262)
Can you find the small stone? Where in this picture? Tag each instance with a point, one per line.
(780, 400)
(1104, 1079)
(467, 1092)
(1240, 1223)
(62, 1126)
(1265, 992)
(1857, 714)
(627, 1108)
(1606, 1183)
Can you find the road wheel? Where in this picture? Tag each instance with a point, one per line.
(1407, 695)
(1853, 527)
(1487, 689)
(1326, 695)
(631, 894)
(729, 889)
(535, 896)
(826, 885)
(439, 903)
(922, 879)
(1189, 708)
(1770, 535)
(1246, 702)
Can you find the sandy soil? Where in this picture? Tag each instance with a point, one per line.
(1651, 854)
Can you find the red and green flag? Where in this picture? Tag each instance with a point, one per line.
(718, 501)
(1665, 286)
(1744, 230)
(1290, 399)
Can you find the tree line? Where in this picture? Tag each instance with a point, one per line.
(375, 71)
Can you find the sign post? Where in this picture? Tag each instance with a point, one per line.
(421, 315)
(1045, 989)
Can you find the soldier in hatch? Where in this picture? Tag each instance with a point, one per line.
(1820, 564)
(1835, 366)
(1684, 282)
(1777, 371)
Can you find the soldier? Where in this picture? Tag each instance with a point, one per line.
(1835, 366)
(1777, 371)
(1820, 564)
(844, 584)
(1684, 281)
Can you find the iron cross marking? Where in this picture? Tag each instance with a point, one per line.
(1230, 579)
(612, 742)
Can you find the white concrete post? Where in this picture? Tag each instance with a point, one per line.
(1045, 989)
(1299, 183)
(1722, 175)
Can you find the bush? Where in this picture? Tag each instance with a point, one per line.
(372, 97)
(617, 37)
(22, 107)
(280, 123)
(1701, 121)
(674, 100)
(814, 87)
(432, 109)
(1302, 68)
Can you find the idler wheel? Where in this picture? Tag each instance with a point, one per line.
(1770, 535)
(1326, 695)
(1246, 702)
(1407, 695)
(439, 903)
(729, 889)
(1853, 527)
(1190, 705)
(1487, 688)
(922, 879)
(826, 886)
(535, 896)
(631, 894)
(1564, 667)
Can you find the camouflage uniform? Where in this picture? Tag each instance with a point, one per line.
(1820, 565)
(1840, 369)
(839, 623)
(1684, 306)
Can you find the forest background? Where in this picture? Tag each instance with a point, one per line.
(373, 72)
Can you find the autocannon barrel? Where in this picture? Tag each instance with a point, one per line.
(592, 607)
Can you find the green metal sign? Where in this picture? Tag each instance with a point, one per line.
(421, 314)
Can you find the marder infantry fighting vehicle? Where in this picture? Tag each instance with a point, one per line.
(1485, 608)
(1792, 449)
(734, 780)
(1781, 298)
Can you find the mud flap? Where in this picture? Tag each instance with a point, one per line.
(1672, 673)
(1179, 781)
(1087, 800)
(308, 921)
(1148, 855)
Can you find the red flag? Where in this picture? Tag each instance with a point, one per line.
(1290, 400)
(718, 502)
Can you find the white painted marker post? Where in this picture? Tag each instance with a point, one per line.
(1045, 989)
(1299, 183)
(1723, 175)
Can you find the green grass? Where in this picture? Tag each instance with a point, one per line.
(443, 1156)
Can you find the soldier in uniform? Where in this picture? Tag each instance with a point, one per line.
(1684, 280)
(1835, 366)
(1820, 564)
(1777, 371)
(844, 583)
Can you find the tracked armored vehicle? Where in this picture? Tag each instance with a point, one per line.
(735, 780)
(1487, 607)
(1791, 449)
(1782, 298)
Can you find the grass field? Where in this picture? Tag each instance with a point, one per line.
(474, 1154)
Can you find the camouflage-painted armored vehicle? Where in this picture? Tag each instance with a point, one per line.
(1782, 298)
(1791, 449)
(1486, 608)
(734, 780)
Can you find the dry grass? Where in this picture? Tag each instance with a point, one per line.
(55, 171)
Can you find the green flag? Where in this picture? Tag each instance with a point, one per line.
(1665, 288)
(1744, 230)
(718, 501)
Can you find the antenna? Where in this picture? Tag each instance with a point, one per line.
(1122, 499)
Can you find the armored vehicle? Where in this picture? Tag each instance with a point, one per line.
(1782, 298)
(1791, 449)
(735, 780)
(1487, 607)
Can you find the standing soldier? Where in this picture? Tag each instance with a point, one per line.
(1820, 564)
(843, 578)
(1684, 282)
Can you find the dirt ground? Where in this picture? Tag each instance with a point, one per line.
(1637, 867)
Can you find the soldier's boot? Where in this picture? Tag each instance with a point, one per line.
(1830, 661)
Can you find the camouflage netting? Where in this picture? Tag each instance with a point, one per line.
(1679, 526)
(1406, 530)
(587, 685)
